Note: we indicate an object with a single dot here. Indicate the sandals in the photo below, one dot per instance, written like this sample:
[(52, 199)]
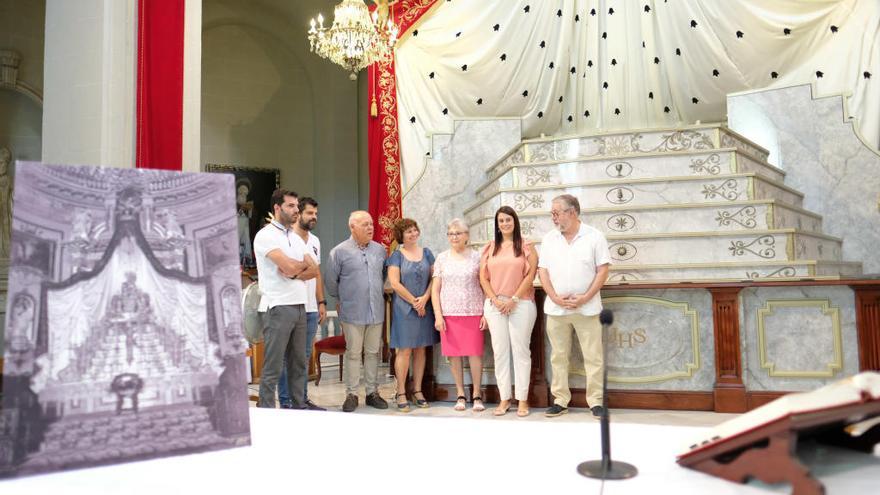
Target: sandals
[(460, 403), (402, 406), (478, 404), (501, 411), (522, 411), (423, 403)]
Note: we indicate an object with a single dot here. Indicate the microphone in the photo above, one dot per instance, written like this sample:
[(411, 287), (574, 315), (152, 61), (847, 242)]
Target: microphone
[(605, 469)]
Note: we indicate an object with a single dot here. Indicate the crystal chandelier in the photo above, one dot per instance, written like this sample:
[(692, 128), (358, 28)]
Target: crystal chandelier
[(355, 40)]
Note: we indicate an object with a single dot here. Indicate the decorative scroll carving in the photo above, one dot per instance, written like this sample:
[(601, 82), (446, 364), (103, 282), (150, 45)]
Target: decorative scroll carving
[(618, 145), (684, 140), (745, 217), (523, 202), (727, 190), (710, 165), (536, 176), (763, 246), (785, 271), (527, 228)]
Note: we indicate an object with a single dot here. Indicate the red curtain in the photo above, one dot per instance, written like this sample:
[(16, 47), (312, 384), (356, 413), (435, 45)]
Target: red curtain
[(160, 84), (382, 133)]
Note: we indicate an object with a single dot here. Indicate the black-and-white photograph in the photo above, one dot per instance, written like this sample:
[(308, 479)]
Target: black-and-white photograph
[(123, 325)]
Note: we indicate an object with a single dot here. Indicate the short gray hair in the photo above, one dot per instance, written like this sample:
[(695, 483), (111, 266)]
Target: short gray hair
[(355, 214), (569, 201), (461, 224)]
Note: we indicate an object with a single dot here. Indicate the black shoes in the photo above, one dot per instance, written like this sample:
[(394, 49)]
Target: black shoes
[(311, 406), (351, 403), (598, 411), (373, 400), (555, 410)]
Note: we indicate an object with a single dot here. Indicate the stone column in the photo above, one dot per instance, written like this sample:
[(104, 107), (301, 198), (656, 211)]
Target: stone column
[(90, 82)]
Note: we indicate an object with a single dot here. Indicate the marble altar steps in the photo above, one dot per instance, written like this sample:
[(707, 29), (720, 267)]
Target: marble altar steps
[(641, 192), (713, 247), (149, 358), (706, 163), (95, 438), (698, 138), (698, 203), (762, 214)]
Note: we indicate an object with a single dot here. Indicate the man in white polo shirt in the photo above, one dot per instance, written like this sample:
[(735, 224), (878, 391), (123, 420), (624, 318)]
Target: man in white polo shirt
[(573, 267), (283, 268)]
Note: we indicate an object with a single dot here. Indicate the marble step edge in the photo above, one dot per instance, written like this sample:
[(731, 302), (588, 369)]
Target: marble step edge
[(712, 233), (799, 270), (493, 173), (618, 266), (717, 139), (720, 126), (728, 233), (648, 180), (669, 206)]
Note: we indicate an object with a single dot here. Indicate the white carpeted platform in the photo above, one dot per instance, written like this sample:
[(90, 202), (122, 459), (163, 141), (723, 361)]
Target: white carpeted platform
[(331, 452)]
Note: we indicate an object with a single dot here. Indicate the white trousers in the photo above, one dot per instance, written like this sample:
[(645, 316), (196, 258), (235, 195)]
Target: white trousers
[(512, 332)]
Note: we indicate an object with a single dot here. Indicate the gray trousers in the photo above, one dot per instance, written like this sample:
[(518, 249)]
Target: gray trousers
[(366, 339), (284, 337)]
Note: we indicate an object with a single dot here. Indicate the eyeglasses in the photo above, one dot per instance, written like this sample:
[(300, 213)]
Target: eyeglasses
[(556, 213), (455, 234)]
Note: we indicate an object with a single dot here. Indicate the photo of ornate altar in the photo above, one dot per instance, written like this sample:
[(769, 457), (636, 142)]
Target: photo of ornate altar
[(123, 329)]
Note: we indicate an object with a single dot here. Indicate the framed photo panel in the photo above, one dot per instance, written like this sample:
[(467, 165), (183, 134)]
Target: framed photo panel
[(253, 191)]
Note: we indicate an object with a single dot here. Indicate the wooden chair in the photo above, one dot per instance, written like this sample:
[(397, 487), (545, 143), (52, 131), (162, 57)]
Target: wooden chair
[(333, 344)]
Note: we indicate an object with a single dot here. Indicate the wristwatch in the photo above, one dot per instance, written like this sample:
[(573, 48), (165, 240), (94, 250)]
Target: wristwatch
[(514, 299)]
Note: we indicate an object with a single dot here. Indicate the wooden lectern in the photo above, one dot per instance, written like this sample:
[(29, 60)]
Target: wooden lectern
[(762, 444)]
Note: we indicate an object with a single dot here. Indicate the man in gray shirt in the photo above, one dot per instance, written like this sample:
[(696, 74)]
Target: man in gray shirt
[(355, 276)]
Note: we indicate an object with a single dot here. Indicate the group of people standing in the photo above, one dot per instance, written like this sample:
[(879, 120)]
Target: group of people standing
[(451, 299)]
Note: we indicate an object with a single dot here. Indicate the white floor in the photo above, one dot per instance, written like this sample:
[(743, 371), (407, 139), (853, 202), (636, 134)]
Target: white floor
[(304, 451), (439, 450)]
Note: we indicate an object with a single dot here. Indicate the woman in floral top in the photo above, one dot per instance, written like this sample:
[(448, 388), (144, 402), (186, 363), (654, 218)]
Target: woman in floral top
[(458, 310)]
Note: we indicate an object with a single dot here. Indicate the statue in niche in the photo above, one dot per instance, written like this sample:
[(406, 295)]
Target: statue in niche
[(166, 225), (21, 318), (245, 209), (5, 201), (233, 328), (82, 225)]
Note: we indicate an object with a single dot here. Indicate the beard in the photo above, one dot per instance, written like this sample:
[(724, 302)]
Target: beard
[(307, 225)]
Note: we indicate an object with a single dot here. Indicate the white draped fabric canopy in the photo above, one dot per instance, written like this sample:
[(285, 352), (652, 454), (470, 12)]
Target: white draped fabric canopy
[(75, 312), (575, 66)]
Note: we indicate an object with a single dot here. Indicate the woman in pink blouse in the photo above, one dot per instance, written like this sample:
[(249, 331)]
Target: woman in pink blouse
[(507, 271), (458, 310)]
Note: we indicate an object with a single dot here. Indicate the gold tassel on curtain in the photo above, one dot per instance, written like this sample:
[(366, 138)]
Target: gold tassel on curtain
[(374, 110)]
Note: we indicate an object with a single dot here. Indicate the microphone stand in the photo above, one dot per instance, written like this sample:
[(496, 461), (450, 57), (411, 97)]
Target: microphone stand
[(605, 468)]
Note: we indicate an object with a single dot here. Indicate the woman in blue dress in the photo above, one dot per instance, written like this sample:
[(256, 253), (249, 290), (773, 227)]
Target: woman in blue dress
[(410, 270)]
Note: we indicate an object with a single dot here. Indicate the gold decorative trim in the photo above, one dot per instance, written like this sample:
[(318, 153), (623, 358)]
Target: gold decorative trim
[(771, 217), (688, 312), (789, 247), (836, 338)]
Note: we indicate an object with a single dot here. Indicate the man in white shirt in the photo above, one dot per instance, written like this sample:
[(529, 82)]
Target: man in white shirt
[(283, 268), (316, 306), (573, 267)]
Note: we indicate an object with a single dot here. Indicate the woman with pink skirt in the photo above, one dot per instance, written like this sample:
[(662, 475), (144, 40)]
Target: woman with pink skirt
[(458, 311)]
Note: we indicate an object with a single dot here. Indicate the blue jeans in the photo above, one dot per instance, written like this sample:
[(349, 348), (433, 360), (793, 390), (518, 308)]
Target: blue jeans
[(311, 330)]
